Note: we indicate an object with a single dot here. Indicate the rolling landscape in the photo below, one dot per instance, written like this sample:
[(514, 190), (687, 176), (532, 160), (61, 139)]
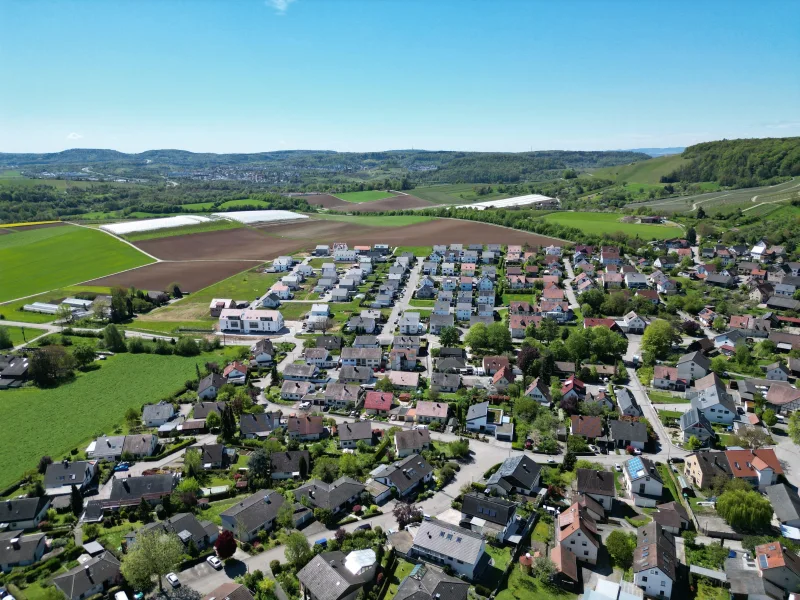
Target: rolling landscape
[(363, 300)]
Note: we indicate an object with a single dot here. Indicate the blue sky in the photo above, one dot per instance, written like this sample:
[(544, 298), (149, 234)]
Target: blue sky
[(250, 75)]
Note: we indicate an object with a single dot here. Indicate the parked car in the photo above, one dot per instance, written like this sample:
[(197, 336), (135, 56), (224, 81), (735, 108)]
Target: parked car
[(214, 562), (173, 580), (121, 467), (321, 542), (365, 526), (618, 468)]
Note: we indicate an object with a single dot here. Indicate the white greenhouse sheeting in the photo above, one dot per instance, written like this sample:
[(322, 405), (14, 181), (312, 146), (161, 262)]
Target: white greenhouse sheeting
[(260, 216), (151, 224), (507, 202)]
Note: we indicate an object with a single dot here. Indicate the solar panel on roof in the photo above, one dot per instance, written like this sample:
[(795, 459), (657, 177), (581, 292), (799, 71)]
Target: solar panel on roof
[(762, 561)]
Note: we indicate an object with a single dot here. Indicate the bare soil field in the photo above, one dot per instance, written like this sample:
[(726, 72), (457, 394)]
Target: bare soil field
[(325, 200), (393, 203), (191, 276), (232, 244), (439, 231)]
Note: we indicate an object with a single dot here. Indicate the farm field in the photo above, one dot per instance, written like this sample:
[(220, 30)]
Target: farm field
[(93, 403), (215, 225), (198, 206), (12, 311), (600, 223), (191, 276), (47, 258), (457, 193), (646, 171), (324, 200), (393, 221), (20, 335), (402, 202), (246, 202), (192, 311), (365, 196)]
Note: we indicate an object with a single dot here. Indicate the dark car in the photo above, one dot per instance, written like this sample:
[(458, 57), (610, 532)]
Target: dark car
[(365, 526)]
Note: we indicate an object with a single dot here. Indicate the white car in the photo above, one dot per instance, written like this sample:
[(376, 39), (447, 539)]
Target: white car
[(618, 468), (636, 451), (173, 580), (214, 562)]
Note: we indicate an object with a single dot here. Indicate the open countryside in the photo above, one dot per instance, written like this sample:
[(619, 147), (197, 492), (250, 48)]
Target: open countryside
[(610, 223), (48, 258)]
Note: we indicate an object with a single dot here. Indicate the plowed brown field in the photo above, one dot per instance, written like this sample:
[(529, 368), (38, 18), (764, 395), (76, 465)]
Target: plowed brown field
[(191, 276), (325, 200)]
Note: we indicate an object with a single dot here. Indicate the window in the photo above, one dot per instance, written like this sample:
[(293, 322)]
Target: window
[(572, 542), (586, 553), (644, 579), (663, 584)]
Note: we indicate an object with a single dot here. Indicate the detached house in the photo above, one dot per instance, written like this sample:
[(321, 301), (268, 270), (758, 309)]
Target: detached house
[(598, 485), (404, 476), (411, 441), (642, 481), (305, 428), (539, 392), (654, 561), (694, 365), (491, 516), (444, 544), (247, 518), (517, 475), (350, 434), (576, 531), (335, 496), (760, 467)]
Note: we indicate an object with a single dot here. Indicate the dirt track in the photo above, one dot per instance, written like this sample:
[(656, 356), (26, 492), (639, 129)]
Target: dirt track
[(29, 227), (191, 276), (325, 200)]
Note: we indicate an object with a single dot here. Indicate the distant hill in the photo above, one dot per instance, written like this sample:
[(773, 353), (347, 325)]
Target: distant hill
[(420, 165), (739, 163), (648, 171), (658, 151)]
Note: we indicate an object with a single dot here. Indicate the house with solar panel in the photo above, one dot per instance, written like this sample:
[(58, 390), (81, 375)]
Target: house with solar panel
[(642, 481), (448, 545)]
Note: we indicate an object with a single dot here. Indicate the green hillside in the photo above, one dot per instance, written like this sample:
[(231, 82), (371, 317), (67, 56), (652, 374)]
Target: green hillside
[(645, 172)]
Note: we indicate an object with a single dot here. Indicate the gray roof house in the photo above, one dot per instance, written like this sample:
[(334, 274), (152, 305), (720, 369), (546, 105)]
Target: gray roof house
[(209, 385), (627, 404), (492, 516), (185, 526), (333, 496), (155, 415), (406, 475), (202, 409), (785, 503), (518, 474), (428, 583), (92, 577), (287, 464), (449, 545), (130, 490), (334, 576), (61, 476), (412, 441), (352, 433), (17, 550), (253, 514), (445, 382), (627, 433)]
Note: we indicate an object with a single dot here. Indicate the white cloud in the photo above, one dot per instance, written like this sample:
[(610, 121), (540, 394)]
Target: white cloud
[(783, 125), (280, 6), (74, 136)]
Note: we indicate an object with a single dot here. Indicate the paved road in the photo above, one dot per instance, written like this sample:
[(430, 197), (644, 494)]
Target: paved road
[(573, 301), (401, 305)]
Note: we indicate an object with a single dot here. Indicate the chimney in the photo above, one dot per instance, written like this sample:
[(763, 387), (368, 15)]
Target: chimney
[(65, 462), (15, 543)]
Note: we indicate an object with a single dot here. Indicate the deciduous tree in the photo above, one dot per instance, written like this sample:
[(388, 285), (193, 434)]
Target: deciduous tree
[(154, 553), (225, 544)]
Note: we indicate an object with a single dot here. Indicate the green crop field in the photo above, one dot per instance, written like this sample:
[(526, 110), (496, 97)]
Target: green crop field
[(192, 311), (246, 202), (365, 196), (213, 225), (646, 171), (457, 193), (51, 422), (394, 221), (197, 206), (39, 260), (21, 335), (602, 223)]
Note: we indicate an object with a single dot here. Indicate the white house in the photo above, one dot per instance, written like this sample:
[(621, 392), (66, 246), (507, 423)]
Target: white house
[(694, 365), (344, 255), (577, 532), (250, 321), (155, 415), (409, 323), (642, 481)]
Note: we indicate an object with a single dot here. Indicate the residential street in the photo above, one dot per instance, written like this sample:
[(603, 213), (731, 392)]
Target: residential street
[(573, 300)]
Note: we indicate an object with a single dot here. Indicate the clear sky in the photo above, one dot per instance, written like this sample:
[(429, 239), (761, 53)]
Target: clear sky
[(355, 75)]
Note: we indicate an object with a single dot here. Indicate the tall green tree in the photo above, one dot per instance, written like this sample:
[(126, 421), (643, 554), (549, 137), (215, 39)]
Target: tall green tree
[(658, 339), (5, 339), (745, 510), (449, 336), (258, 465), (75, 501), (153, 554), (113, 339)]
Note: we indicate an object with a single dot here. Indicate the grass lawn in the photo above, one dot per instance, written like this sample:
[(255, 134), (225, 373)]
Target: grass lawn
[(112, 537), (365, 196), (17, 336), (292, 311), (401, 571), (214, 225), (603, 223), (670, 490), (39, 260), (726, 439), (507, 298), (707, 591), (245, 202), (521, 586), (542, 532), (422, 303), (417, 250), (215, 509), (53, 421), (500, 557), (666, 398), (13, 310), (367, 221), (192, 311)]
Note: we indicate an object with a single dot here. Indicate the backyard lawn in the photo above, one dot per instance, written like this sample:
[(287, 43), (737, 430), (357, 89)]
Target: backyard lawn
[(20, 335), (521, 586), (38, 260), (93, 403), (666, 398), (112, 537), (212, 513), (402, 570)]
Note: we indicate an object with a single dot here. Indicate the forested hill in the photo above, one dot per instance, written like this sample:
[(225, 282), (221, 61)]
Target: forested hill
[(740, 163), (421, 165)]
